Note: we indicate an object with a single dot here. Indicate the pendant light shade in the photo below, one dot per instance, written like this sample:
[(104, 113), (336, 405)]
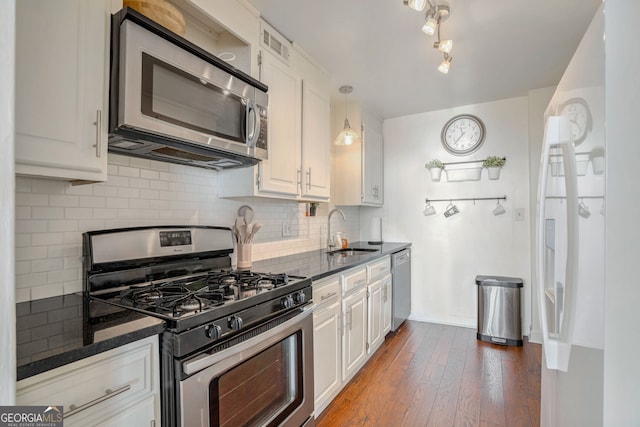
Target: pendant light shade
[(347, 136)]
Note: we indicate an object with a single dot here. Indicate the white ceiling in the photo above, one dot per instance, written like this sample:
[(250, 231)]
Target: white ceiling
[(502, 48)]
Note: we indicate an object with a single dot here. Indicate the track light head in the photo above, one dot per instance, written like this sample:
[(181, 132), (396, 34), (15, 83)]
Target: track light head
[(417, 5), (445, 64), (444, 45)]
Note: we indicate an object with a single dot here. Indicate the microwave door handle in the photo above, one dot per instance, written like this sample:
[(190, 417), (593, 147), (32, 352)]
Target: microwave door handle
[(252, 121)]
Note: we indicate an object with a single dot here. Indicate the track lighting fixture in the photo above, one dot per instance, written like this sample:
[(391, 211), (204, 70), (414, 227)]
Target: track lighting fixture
[(347, 136), (434, 17)]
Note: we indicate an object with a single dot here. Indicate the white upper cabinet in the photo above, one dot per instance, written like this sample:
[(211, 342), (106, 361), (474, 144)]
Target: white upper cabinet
[(298, 167), (62, 60), (316, 159), (372, 174), (280, 173), (357, 171), (227, 29)]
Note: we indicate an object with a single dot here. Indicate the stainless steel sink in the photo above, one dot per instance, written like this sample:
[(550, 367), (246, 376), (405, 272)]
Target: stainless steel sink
[(351, 251)]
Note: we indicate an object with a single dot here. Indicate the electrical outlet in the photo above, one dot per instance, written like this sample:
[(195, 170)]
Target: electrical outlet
[(286, 229), (519, 214)]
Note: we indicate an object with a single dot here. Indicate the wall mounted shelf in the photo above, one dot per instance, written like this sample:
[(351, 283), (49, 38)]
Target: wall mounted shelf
[(459, 173)]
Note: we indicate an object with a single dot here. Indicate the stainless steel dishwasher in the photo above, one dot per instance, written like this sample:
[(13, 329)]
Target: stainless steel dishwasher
[(401, 276)]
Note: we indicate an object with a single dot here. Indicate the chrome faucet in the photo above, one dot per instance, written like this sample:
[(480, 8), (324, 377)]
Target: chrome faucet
[(330, 243)]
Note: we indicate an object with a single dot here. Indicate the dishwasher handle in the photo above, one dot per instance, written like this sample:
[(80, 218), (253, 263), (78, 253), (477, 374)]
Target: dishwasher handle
[(401, 257)]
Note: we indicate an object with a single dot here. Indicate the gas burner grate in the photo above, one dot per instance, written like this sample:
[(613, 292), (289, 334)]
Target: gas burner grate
[(175, 298)]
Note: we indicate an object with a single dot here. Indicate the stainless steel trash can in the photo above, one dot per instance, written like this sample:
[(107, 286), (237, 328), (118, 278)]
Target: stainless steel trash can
[(499, 319)]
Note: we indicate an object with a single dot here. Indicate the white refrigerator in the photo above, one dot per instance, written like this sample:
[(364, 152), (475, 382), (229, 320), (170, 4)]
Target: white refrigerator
[(570, 240)]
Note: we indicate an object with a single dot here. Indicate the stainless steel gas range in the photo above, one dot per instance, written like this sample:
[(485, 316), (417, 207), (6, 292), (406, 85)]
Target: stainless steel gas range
[(238, 346)]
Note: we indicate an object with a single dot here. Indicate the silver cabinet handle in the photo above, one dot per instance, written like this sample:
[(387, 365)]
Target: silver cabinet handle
[(309, 179), (324, 297), (299, 178), (73, 409), (98, 124)]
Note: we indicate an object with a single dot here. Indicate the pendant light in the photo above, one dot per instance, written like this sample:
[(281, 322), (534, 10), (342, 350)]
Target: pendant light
[(347, 136)]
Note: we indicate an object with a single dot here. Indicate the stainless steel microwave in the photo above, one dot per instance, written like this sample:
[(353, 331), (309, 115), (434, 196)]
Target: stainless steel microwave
[(172, 101)]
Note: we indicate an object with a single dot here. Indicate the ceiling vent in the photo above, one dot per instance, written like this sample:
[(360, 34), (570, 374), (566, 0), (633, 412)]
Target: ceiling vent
[(274, 42)]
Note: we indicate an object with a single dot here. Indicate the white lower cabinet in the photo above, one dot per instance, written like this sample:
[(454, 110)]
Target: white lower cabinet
[(354, 343), (327, 342), (386, 304), (350, 323), (374, 322), (118, 387)]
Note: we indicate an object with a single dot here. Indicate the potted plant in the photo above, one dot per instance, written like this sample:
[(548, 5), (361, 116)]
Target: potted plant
[(435, 167), (597, 160), (493, 164)]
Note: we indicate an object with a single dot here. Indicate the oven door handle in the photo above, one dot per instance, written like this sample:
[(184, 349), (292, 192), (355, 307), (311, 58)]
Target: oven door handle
[(240, 351)]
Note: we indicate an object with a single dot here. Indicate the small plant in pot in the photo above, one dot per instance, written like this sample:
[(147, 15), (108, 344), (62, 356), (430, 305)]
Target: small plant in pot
[(435, 167), (493, 164)]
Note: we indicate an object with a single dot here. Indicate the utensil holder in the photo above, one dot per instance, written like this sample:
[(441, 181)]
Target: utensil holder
[(243, 255)]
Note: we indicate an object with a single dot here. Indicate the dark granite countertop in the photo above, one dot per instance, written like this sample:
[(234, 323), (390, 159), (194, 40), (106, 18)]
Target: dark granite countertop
[(318, 264), (55, 331)]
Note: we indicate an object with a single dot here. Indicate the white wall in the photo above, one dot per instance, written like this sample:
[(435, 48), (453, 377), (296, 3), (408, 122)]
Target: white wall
[(622, 298), (52, 215), (7, 293), (448, 253)]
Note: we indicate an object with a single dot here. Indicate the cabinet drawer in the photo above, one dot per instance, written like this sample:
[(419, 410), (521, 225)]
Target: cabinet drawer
[(325, 290), (353, 279), (110, 381), (378, 268)]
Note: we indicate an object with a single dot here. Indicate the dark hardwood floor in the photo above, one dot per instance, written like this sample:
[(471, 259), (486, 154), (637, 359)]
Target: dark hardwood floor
[(435, 375)]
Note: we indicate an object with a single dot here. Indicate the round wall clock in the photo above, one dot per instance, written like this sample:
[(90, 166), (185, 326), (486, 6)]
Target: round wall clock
[(463, 134), (577, 110)]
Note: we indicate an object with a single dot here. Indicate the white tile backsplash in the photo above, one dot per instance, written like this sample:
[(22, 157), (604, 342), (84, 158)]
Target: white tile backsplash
[(52, 215)]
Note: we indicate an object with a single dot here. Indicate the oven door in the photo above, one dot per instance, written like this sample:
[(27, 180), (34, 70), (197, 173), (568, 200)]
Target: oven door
[(166, 90), (266, 380)]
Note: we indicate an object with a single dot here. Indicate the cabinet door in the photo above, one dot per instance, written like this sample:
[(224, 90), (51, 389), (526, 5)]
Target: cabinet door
[(374, 307), (354, 343), (62, 55), (387, 299), (315, 142), (373, 167), (281, 173), (327, 352), (124, 380), (140, 414)]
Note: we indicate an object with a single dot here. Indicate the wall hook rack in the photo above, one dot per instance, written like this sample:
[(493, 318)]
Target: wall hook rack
[(465, 199)]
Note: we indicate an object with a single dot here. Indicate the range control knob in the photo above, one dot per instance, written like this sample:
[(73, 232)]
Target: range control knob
[(287, 302), (235, 323), (213, 331), (299, 297)]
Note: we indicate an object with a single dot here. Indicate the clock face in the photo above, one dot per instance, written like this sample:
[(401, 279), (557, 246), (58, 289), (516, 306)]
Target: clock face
[(463, 134), (579, 115)]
